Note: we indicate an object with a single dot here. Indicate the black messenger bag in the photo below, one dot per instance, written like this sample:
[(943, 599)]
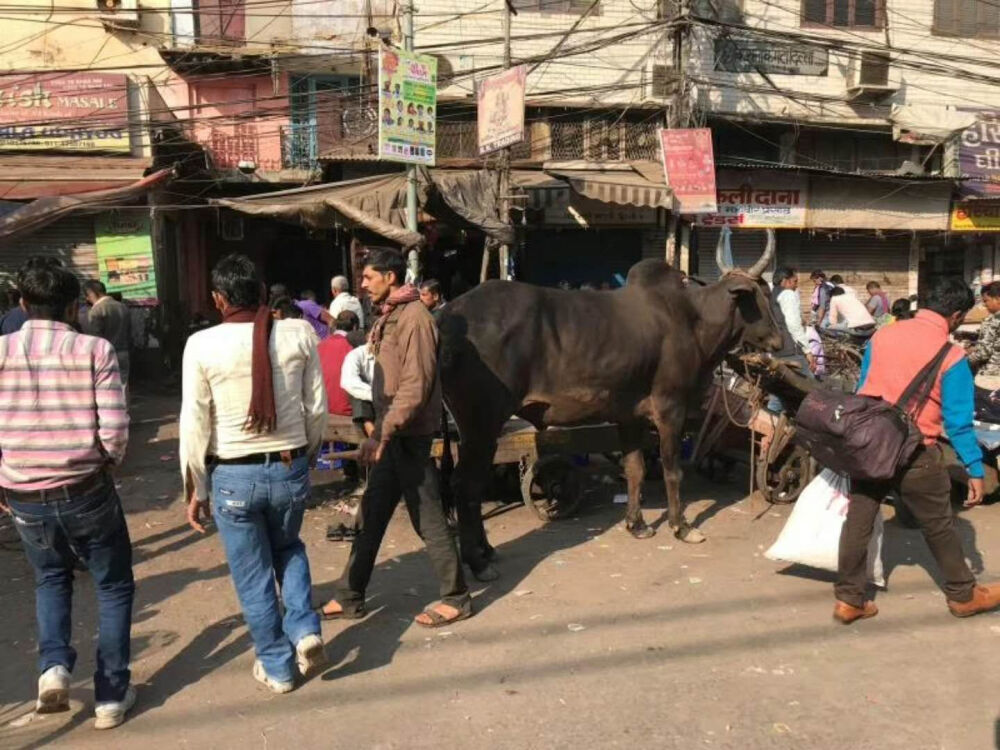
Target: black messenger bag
[(862, 436)]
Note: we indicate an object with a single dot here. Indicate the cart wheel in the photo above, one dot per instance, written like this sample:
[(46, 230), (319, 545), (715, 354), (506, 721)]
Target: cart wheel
[(782, 482), (551, 487)]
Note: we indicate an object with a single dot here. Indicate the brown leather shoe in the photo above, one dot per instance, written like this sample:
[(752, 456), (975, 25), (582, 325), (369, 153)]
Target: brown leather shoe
[(846, 613), (984, 598)]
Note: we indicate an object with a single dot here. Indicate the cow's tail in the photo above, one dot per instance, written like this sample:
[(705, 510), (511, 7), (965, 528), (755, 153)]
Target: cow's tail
[(447, 465)]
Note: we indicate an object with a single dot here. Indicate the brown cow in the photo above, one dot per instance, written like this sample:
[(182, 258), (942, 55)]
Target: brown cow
[(632, 356)]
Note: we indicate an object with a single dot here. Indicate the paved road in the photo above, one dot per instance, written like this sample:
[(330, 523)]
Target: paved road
[(590, 639)]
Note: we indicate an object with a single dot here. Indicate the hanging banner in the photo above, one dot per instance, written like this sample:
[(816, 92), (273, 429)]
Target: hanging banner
[(976, 216), (66, 112), (125, 254), (689, 166), (500, 110), (407, 107), (979, 160), (763, 202)]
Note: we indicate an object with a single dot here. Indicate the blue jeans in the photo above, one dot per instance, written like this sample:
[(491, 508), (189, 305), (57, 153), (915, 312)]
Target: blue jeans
[(258, 509), (91, 527)]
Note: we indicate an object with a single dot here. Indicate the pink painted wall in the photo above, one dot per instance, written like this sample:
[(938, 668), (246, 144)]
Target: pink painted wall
[(234, 117)]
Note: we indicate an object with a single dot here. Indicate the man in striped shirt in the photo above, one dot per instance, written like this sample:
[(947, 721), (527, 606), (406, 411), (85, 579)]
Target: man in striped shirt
[(63, 425)]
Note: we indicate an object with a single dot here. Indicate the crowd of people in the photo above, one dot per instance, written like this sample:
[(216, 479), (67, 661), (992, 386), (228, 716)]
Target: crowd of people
[(258, 391)]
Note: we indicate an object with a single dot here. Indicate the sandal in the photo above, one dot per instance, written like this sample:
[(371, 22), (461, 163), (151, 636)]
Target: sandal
[(437, 620), (343, 614)]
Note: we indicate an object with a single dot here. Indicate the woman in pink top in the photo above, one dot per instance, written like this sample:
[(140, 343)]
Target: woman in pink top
[(847, 311)]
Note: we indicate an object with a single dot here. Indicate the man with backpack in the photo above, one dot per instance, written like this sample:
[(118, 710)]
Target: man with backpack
[(895, 358)]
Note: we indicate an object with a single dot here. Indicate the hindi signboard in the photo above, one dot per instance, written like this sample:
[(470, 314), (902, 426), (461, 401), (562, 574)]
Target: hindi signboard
[(125, 254), (778, 202), (64, 112), (689, 166), (979, 159), (500, 110), (745, 56), (407, 106), (975, 216)]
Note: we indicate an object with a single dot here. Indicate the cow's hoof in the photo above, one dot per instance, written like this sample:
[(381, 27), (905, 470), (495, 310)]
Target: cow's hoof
[(486, 574), (641, 530), (689, 535)]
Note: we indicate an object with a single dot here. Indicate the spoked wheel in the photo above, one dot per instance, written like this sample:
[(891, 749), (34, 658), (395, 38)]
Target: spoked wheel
[(551, 487), (782, 481)]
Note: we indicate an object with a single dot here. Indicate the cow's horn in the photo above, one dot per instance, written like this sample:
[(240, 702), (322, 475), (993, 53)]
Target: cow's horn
[(765, 260), (720, 252)]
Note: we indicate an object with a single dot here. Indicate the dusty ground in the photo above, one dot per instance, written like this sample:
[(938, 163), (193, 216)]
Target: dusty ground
[(590, 639)]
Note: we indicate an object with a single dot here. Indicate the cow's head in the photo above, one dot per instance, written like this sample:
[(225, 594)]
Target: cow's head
[(755, 324)]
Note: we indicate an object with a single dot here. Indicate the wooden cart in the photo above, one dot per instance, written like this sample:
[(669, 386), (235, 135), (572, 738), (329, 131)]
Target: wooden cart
[(550, 479)]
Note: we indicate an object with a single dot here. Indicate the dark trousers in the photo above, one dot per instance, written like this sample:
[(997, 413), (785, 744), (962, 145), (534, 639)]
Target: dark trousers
[(925, 487), (406, 471), (91, 527)]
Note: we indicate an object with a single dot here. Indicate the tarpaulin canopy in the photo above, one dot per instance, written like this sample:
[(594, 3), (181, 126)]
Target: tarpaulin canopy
[(39, 213), (463, 197)]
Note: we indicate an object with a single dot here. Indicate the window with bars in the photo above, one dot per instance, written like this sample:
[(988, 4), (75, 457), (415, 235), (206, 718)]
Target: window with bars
[(967, 18), (868, 14), (555, 6)]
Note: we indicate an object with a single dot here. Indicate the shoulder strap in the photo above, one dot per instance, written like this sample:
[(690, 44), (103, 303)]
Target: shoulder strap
[(919, 389)]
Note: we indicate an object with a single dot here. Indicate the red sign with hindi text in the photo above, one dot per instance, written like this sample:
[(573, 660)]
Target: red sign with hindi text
[(689, 166)]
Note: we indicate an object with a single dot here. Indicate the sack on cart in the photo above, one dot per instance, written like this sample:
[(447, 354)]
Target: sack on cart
[(811, 535)]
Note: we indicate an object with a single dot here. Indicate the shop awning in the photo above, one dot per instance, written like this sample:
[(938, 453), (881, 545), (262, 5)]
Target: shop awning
[(30, 176), (887, 204), (37, 214), (631, 185), (461, 197)]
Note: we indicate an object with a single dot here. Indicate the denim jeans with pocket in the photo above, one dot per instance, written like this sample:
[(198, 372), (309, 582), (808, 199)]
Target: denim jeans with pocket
[(258, 510), (89, 526)]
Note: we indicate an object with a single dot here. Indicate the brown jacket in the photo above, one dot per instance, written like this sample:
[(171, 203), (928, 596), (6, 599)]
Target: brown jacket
[(405, 388)]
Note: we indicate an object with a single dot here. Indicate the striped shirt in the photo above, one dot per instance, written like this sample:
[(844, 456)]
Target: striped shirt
[(62, 408)]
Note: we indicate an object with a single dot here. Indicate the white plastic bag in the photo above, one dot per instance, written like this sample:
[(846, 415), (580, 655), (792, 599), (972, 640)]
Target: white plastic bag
[(812, 533)]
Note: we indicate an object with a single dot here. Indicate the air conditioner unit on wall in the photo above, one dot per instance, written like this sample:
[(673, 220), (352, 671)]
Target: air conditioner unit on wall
[(119, 12), (871, 76)]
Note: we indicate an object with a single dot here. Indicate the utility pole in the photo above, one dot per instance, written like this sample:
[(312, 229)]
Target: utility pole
[(504, 186), (411, 169), (678, 231)]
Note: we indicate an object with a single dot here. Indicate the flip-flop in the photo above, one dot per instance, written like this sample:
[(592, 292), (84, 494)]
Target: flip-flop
[(439, 621)]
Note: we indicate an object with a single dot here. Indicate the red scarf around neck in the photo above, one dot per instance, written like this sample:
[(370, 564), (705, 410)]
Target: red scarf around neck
[(262, 415), (405, 294)]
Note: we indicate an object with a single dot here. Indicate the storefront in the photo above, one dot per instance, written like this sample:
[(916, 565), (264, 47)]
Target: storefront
[(862, 228), (590, 226)]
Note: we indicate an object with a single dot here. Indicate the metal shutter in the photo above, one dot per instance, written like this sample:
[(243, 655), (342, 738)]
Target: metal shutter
[(747, 245), (859, 259), (71, 240)]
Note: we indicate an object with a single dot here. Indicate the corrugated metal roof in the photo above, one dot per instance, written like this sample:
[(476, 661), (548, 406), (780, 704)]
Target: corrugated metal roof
[(24, 176), (743, 164)]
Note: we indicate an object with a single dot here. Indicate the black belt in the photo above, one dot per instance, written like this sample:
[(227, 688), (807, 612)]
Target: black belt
[(59, 494), (264, 458)]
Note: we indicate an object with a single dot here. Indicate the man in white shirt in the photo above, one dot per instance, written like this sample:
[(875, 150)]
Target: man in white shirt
[(252, 419), (344, 300), (790, 302), (847, 312)]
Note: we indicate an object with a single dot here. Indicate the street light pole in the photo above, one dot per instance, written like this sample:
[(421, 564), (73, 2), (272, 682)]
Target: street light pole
[(411, 169)]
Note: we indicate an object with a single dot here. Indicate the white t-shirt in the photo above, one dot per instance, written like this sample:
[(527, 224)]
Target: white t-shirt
[(847, 307), (347, 301)]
